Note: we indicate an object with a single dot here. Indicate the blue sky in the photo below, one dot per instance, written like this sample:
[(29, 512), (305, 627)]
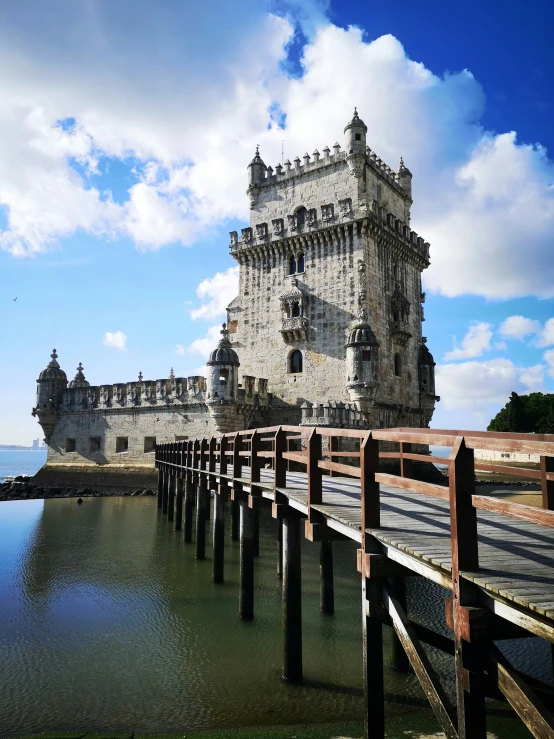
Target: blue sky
[(126, 128)]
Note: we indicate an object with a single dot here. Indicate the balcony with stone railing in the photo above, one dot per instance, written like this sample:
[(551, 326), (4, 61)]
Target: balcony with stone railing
[(294, 329), (400, 332)]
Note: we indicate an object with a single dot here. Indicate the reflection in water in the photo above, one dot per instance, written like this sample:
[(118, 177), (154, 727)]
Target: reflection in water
[(107, 622)]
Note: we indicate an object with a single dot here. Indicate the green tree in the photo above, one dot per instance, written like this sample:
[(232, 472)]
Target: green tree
[(533, 413)]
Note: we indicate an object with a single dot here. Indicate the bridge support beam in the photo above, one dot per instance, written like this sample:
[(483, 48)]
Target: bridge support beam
[(208, 503), (399, 658), (292, 598), (165, 492), (326, 588), (189, 503), (201, 493), (373, 678), (280, 548), (219, 534), (246, 594), (256, 531), (171, 498), (179, 503), (235, 525), (160, 488)]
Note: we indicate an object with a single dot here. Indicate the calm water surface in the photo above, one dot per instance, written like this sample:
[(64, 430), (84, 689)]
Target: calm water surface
[(107, 622)]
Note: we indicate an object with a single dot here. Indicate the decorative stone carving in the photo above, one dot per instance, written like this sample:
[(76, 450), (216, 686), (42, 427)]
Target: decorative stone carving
[(327, 212), (345, 207), (293, 222), (234, 239), (400, 311), (278, 226), (246, 235), (261, 230), (312, 217)]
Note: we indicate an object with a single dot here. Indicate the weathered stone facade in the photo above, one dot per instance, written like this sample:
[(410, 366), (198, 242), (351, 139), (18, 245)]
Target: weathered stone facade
[(326, 328)]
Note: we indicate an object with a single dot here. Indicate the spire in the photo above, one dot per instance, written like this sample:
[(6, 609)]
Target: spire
[(79, 379), (140, 376), (53, 362), (171, 374)]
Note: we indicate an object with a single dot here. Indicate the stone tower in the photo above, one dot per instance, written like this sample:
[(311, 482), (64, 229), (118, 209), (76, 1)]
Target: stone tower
[(51, 383), (330, 303)]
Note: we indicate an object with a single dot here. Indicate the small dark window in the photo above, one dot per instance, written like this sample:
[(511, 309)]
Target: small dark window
[(149, 444), (121, 444), (358, 137), (300, 264), (397, 365), (366, 355), (295, 366), (223, 376), (70, 445), (295, 310), (95, 444), (292, 265), (301, 217)]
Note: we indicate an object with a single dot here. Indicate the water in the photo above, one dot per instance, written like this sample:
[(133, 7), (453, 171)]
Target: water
[(25, 462), (108, 623)]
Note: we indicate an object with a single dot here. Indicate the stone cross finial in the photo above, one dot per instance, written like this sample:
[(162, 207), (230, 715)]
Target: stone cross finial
[(140, 376), (355, 112), (171, 374), (80, 368), (54, 355)]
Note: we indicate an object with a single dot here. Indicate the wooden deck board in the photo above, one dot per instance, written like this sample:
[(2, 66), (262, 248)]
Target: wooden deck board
[(515, 557)]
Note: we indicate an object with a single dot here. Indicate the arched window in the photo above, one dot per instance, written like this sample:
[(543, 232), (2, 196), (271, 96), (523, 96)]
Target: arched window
[(295, 310), (397, 365), (295, 362), (301, 217), (300, 262), (292, 265)]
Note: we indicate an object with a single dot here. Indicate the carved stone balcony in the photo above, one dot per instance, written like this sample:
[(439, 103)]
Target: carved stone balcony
[(294, 329), (400, 332)]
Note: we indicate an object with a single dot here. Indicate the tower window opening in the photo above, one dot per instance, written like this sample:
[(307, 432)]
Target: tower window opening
[(292, 265), (358, 137), (223, 376), (149, 444), (366, 355), (295, 310), (121, 444), (295, 362), (397, 365), (301, 217), (300, 263), (70, 445)]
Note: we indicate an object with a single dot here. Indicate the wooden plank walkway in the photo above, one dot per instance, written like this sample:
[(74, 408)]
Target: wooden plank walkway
[(515, 557)]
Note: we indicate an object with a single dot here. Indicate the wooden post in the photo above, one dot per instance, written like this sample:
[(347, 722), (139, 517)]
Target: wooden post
[(280, 548), (326, 589), (547, 465), (256, 531), (179, 503), (219, 534), (333, 447), (171, 496), (399, 658), (204, 465), (372, 629), (292, 599), (279, 464), (160, 487), (201, 519), (405, 464), (246, 591), (315, 475), (165, 493), (237, 471), (235, 520), (469, 657)]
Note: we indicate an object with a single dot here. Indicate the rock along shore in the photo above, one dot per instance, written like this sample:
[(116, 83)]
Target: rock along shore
[(23, 488)]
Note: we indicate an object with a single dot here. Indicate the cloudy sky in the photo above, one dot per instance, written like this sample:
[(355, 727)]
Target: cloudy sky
[(126, 128)]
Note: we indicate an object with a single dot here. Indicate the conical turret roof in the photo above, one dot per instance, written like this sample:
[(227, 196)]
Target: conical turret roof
[(361, 333), (79, 379), (224, 354), (53, 371), (355, 122)]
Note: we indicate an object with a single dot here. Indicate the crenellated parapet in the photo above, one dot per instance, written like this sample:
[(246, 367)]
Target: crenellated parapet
[(337, 415)]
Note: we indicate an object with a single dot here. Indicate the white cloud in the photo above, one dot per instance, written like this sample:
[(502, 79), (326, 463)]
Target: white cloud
[(479, 198), (117, 340), (549, 359), (475, 342), (546, 337), (517, 327), (207, 343), (218, 291), (500, 345), (179, 349), (476, 391)]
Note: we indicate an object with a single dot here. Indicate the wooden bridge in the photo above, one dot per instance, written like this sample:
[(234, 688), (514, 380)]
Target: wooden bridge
[(495, 556)]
